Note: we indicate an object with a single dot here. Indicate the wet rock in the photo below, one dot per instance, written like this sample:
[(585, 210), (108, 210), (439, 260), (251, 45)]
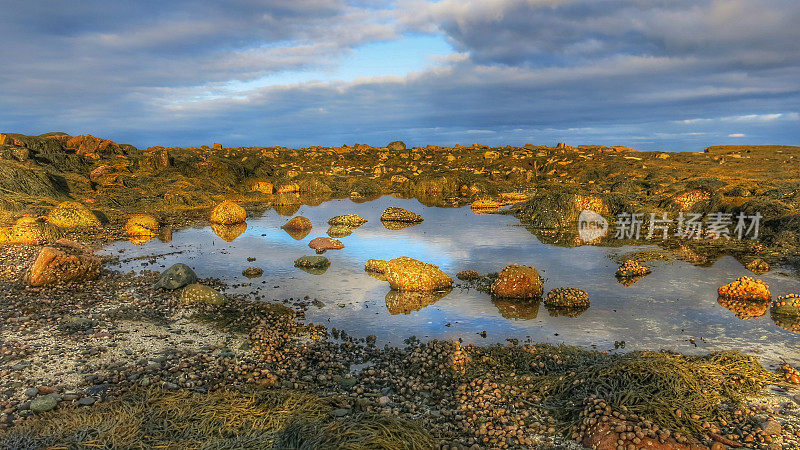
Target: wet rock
[(264, 187), (176, 277), (408, 274), (64, 262), (253, 272), (468, 275), (517, 281), (787, 305), (316, 262), (31, 231), (298, 223), (72, 214), (349, 220), (484, 205), (397, 214), (566, 297), (229, 233), (376, 266), (325, 243), (228, 213), (31, 392), (339, 231), (632, 269), (758, 266), (746, 289), (142, 225), (198, 293)]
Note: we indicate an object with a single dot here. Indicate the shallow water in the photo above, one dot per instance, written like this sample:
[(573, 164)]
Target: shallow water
[(665, 310)]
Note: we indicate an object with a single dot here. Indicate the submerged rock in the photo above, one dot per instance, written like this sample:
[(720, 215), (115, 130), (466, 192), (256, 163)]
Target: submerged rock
[(349, 220), (316, 262), (746, 289), (63, 262), (176, 277), (408, 274), (228, 213), (468, 275), (298, 223), (253, 272), (198, 293), (142, 225), (517, 281), (72, 214), (397, 214)]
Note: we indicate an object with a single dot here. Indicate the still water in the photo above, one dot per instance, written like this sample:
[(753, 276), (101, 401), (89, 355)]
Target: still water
[(673, 308)]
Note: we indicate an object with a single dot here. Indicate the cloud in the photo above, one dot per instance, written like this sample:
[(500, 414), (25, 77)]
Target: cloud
[(661, 74)]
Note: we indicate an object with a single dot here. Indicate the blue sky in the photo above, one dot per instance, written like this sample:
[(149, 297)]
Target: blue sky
[(653, 75)]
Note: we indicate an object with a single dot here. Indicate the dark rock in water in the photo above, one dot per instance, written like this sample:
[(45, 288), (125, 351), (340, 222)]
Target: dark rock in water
[(516, 281), (253, 272), (565, 297), (339, 231), (316, 262), (396, 146), (176, 277), (349, 220), (468, 275), (198, 293), (397, 214)]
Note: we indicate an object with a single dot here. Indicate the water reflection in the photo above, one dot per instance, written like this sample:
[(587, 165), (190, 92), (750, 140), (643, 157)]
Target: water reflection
[(404, 302), (517, 309), (744, 309), (229, 232)]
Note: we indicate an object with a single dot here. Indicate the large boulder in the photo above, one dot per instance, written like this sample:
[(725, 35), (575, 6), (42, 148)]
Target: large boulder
[(31, 231), (142, 225), (176, 277), (63, 262), (397, 214), (408, 274), (298, 223), (72, 214), (198, 293), (228, 213), (516, 281)]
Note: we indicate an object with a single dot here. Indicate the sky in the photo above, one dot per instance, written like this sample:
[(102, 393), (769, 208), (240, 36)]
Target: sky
[(673, 75)]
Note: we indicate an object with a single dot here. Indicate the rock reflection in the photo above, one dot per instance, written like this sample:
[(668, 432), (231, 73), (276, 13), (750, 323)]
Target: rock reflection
[(744, 309), (404, 302), (229, 232), (396, 225), (556, 311), (297, 234), (517, 309)]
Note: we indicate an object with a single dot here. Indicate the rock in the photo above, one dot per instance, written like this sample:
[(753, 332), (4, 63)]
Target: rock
[(787, 305), (516, 281), (298, 223), (325, 243), (264, 187), (484, 205), (31, 392), (631, 269), (468, 275), (746, 289), (198, 293), (229, 232), (45, 402), (217, 146), (142, 225), (349, 220), (288, 188), (396, 146), (64, 262), (339, 231), (491, 155), (228, 213), (771, 427), (397, 214), (376, 266), (87, 401), (341, 412), (32, 231), (253, 272), (565, 297), (758, 266), (317, 262), (100, 171), (72, 214), (688, 199), (408, 274), (176, 277)]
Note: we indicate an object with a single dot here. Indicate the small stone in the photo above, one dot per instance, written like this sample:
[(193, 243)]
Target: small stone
[(771, 427), (31, 392), (383, 400), (87, 401), (45, 403), (341, 412)]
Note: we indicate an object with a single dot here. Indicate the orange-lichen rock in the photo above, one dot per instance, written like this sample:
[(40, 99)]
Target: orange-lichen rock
[(228, 213), (517, 281), (746, 288), (376, 266), (142, 225), (63, 262), (408, 274), (592, 203), (631, 269), (298, 223), (288, 188), (325, 243)]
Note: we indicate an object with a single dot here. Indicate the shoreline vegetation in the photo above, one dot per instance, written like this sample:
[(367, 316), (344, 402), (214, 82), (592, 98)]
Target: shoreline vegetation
[(94, 358)]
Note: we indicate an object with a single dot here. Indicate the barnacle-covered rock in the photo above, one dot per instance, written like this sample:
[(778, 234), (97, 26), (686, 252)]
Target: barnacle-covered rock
[(348, 220), (339, 231), (746, 289), (758, 266), (314, 261), (468, 275), (787, 305), (198, 293), (72, 214), (397, 214), (63, 262), (228, 213), (631, 268), (517, 281), (31, 231), (566, 297), (408, 274), (376, 266), (253, 272)]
